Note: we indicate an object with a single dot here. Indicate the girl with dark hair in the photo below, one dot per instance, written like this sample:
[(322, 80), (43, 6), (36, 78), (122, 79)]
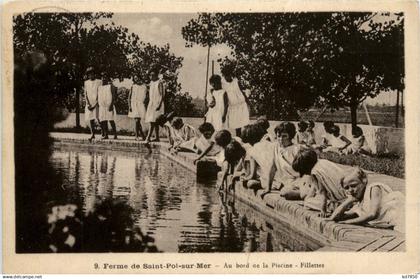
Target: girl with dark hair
[(136, 106), (217, 102), (106, 96), (238, 112), (284, 153), (260, 157), (155, 108), (233, 164), (319, 181)]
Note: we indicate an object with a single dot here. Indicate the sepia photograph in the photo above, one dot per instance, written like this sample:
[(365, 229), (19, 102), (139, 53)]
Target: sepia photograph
[(209, 132)]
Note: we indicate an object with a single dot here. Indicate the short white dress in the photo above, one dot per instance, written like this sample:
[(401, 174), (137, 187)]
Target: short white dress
[(214, 115), (263, 154), (138, 95), (155, 98), (238, 112), (91, 93), (391, 208), (104, 101)]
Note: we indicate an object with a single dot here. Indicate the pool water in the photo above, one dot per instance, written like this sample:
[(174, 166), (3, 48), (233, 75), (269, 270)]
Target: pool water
[(181, 214)]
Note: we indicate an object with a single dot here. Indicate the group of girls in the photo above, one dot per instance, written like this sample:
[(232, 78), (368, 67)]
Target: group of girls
[(340, 193), (100, 103)]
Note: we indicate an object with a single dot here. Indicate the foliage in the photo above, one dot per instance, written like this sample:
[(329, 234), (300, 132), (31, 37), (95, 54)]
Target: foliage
[(107, 47), (292, 61), (388, 164), (110, 228)]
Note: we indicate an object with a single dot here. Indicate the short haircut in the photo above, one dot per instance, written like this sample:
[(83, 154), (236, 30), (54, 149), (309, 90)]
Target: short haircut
[(223, 138), (356, 131), (305, 160), (335, 129), (286, 127), (328, 124), (234, 152), (263, 122), (177, 123), (228, 69), (303, 125), (252, 133), (215, 79), (361, 174), (206, 127), (311, 123)]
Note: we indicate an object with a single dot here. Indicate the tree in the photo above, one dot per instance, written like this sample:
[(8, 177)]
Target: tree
[(106, 46), (293, 61)]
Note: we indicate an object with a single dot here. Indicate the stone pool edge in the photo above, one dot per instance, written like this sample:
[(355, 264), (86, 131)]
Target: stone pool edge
[(330, 235)]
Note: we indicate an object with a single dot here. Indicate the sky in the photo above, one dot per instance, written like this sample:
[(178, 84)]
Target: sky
[(160, 29)]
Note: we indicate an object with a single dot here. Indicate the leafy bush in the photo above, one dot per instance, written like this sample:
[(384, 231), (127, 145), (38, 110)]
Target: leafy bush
[(389, 164)]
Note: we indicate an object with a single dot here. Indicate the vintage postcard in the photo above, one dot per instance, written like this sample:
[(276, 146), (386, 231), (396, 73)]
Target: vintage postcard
[(210, 137)]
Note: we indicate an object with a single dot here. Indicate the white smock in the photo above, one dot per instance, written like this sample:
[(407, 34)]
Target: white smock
[(138, 95), (91, 93), (105, 101), (155, 98), (238, 112)]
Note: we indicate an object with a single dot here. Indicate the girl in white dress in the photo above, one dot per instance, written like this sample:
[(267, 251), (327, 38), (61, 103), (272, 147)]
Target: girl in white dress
[(260, 156), (91, 94), (155, 108), (182, 134), (338, 142), (375, 204), (106, 96), (238, 112), (319, 184), (218, 104), (284, 154), (137, 109)]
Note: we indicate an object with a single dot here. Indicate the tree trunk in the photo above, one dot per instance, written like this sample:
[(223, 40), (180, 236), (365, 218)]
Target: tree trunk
[(353, 115), (77, 108)]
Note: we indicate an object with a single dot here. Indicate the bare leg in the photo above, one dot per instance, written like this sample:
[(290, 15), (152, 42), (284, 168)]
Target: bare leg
[(114, 128), (92, 129), (137, 122), (157, 132), (141, 130), (149, 133), (104, 125)]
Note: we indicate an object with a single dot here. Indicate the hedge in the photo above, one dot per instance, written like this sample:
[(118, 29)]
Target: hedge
[(389, 164)]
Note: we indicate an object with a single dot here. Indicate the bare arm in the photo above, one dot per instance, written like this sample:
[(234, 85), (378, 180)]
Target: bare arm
[(114, 95), (162, 94), (129, 98), (338, 212), (373, 210), (204, 153), (225, 173), (225, 106), (346, 140), (252, 169)]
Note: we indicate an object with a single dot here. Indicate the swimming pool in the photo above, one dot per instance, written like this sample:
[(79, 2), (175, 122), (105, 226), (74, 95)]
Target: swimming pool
[(168, 203)]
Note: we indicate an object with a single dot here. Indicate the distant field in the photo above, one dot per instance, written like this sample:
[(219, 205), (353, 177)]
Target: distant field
[(378, 118)]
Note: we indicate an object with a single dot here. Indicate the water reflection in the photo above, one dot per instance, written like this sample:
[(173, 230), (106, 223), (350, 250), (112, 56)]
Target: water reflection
[(168, 204)]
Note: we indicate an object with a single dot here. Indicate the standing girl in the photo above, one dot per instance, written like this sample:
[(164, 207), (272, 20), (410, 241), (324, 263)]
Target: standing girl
[(217, 103), (106, 95), (155, 107), (238, 112), (137, 109), (91, 94)]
